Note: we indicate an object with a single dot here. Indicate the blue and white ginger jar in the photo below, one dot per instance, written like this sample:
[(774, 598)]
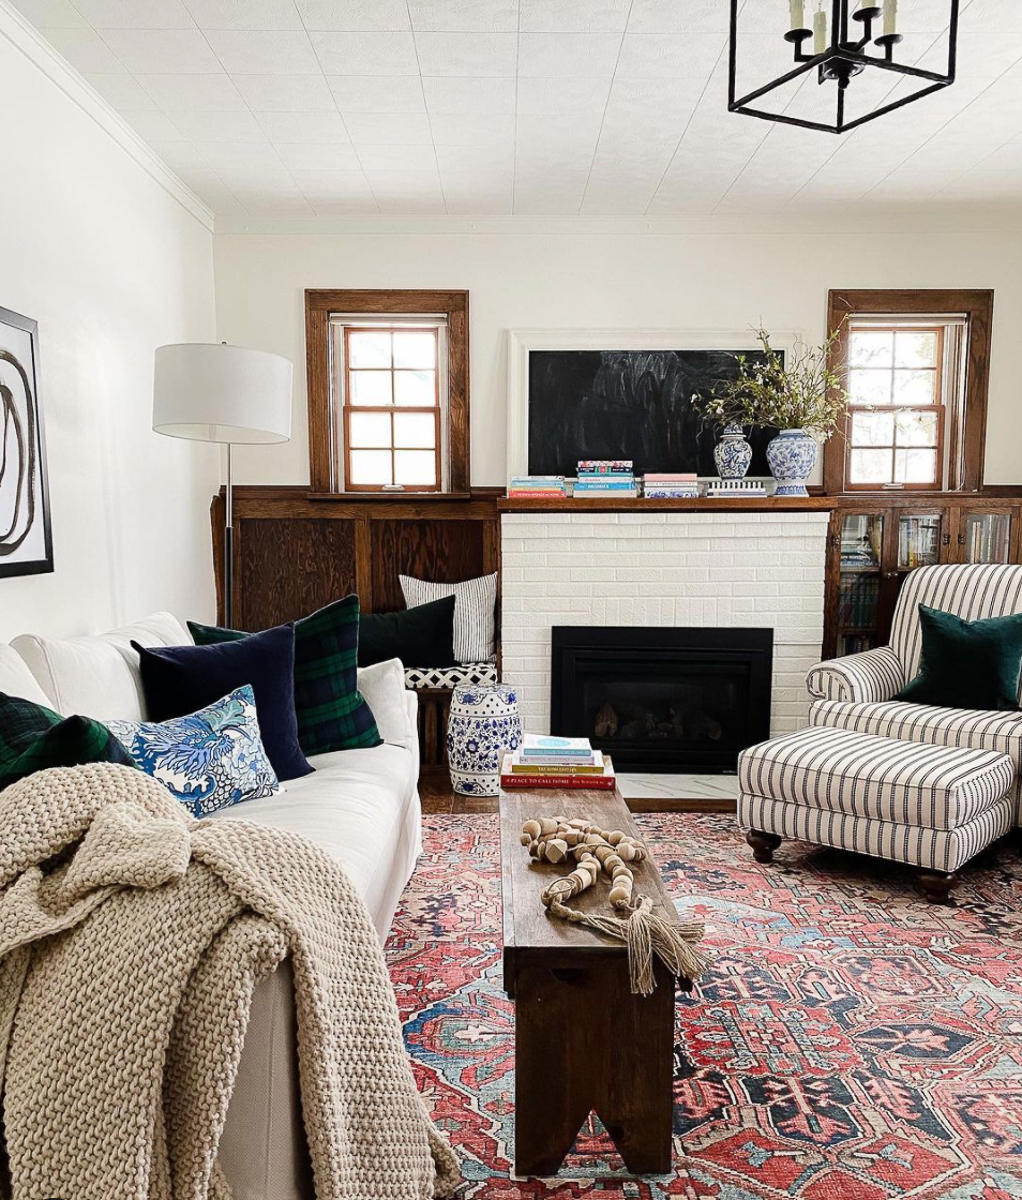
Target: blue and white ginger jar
[(791, 456), (484, 723), (732, 453)]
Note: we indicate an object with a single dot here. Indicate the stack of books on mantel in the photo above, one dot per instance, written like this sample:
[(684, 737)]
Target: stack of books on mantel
[(605, 479), (537, 487), (556, 762), (684, 486), (735, 489)]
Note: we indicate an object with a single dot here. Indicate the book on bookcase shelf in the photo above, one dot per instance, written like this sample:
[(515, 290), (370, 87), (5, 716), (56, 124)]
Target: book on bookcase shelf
[(549, 779)]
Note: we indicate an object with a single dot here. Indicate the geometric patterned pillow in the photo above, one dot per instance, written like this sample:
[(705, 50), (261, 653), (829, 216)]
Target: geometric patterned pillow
[(209, 760), (33, 738)]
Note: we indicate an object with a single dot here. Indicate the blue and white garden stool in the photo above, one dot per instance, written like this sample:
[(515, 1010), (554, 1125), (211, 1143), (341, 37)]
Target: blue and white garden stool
[(484, 723)]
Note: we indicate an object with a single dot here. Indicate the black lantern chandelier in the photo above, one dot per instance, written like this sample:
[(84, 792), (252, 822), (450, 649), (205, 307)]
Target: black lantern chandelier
[(847, 37)]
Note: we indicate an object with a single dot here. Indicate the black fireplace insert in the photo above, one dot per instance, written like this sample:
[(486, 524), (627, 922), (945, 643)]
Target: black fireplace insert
[(663, 700)]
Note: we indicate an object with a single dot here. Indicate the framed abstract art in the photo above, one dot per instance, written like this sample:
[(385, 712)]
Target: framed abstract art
[(26, 545)]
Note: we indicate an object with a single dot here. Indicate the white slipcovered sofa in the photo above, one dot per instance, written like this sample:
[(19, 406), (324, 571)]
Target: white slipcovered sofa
[(361, 806)]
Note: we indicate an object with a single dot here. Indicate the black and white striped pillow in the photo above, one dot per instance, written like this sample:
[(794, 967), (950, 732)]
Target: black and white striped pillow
[(474, 603)]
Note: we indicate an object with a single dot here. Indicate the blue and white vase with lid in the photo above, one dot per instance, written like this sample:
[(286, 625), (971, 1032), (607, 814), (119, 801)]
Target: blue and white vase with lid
[(484, 723), (732, 454), (791, 456)]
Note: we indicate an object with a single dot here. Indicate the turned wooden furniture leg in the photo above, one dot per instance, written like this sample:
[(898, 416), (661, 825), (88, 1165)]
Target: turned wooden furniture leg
[(937, 885), (763, 845), (584, 1043)]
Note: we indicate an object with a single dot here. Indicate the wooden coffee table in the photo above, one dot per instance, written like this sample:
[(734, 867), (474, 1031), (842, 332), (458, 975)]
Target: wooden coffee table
[(583, 1042)]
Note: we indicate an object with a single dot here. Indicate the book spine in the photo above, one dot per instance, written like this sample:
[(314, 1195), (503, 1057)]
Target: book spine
[(592, 782)]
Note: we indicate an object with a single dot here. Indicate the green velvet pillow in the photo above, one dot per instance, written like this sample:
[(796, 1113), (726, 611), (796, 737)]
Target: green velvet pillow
[(967, 664), (33, 738)]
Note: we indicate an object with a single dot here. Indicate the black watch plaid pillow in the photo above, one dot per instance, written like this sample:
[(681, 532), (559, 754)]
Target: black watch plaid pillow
[(332, 714)]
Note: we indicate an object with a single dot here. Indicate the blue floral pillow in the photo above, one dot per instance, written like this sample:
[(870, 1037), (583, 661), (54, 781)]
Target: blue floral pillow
[(209, 760)]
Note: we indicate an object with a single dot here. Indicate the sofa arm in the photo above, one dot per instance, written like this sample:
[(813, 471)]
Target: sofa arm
[(383, 688), (871, 677)]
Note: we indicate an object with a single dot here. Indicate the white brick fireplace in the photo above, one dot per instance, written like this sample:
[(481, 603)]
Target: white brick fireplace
[(662, 568)]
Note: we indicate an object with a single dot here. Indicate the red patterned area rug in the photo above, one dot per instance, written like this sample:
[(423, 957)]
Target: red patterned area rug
[(850, 1042)]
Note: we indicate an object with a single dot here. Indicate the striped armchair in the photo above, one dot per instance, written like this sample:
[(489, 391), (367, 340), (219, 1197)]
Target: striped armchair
[(856, 692)]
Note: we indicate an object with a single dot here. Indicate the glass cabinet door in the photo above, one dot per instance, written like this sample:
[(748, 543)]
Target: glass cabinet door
[(984, 537), (920, 539), (861, 555)]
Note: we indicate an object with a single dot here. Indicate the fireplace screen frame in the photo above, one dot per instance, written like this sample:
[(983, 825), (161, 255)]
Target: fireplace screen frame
[(573, 645)]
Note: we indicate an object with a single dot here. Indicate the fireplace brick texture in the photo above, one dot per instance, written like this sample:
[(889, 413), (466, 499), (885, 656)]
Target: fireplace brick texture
[(764, 570)]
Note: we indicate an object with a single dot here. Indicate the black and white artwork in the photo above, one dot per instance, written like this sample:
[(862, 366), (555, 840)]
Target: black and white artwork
[(26, 546), (633, 404)]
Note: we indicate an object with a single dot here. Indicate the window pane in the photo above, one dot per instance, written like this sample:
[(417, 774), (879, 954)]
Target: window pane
[(873, 429), (370, 387), (415, 431), (914, 387), (416, 467), (870, 466), (917, 428), (418, 350), (915, 466), (369, 349), (914, 349), (415, 387), (369, 429), (370, 467), (869, 387), (870, 348)]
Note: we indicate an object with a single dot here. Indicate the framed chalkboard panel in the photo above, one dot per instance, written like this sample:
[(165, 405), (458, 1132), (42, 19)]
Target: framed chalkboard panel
[(613, 399)]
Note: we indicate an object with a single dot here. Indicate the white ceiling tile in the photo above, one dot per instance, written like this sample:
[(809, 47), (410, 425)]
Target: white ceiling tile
[(1006, 158), (668, 16), (151, 124), (1005, 16), (389, 129), (292, 206), (464, 16), (471, 129), (351, 206), (414, 182), (981, 185), (405, 204), (308, 156), (135, 14), (285, 93), (244, 14), (209, 187), (263, 52), (354, 15), (198, 93), (366, 53), (567, 131), (180, 156), (122, 91), (249, 156), (318, 184), (670, 56), (467, 196), (566, 54), (377, 93), (51, 14), (219, 126), (303, 127), (393, 159), (454, 94), (259, 184), (483, 161), (580, 96), (574, 16), (548, 199), (159, 51), (487, 54), (85, 50)]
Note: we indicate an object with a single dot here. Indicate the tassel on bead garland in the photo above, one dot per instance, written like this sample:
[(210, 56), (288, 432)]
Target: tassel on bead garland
[(644, 931)]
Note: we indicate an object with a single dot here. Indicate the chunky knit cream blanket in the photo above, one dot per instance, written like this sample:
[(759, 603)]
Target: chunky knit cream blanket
[(131, 939)]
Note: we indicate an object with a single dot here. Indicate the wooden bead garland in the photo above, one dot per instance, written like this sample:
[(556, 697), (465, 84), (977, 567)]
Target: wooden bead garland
[(596, 851)]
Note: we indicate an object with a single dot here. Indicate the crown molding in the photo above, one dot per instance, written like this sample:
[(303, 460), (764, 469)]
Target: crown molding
[(30, 42)]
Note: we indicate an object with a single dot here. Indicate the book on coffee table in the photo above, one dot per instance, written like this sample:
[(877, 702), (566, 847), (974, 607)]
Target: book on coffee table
[(603, 780)]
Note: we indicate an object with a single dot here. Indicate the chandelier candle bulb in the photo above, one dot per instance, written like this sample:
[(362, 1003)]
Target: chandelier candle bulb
[(820, 31), (890, 16), (797, 10)]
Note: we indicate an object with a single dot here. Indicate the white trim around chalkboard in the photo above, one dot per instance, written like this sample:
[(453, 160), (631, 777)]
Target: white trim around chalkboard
[(521, 342)]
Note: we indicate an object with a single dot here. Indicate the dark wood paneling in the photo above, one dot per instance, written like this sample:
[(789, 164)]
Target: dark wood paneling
[(443, 551), (288, 568)]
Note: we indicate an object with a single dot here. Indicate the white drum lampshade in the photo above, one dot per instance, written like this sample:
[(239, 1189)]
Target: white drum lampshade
[(216, 393)]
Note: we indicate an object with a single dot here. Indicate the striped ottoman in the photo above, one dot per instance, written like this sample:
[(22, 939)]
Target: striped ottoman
[(931, 806)]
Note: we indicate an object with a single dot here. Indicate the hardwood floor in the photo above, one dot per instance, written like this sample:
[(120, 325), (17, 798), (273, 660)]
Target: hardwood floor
[(438, 797)]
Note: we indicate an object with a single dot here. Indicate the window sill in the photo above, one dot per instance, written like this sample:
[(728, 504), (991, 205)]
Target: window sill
[(389, 497)]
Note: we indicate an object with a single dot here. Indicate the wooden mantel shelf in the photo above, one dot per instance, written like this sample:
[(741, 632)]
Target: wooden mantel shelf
[(704, 504)]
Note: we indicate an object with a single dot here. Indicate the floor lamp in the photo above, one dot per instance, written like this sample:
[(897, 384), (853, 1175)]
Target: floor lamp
[(218, 393)]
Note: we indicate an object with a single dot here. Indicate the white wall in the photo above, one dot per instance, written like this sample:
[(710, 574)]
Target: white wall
[(578, 277), (111, 263)]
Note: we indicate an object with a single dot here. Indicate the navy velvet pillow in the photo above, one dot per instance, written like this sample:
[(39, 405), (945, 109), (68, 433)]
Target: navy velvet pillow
[(178, 680)]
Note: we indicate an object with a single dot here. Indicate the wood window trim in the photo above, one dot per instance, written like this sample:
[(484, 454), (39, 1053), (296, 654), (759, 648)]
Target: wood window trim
[(320, 304), (970, 434)]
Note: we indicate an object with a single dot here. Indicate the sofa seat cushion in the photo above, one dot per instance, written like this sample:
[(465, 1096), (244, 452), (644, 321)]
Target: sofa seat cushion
[(353, 806), (426, 678), (910, 783)]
